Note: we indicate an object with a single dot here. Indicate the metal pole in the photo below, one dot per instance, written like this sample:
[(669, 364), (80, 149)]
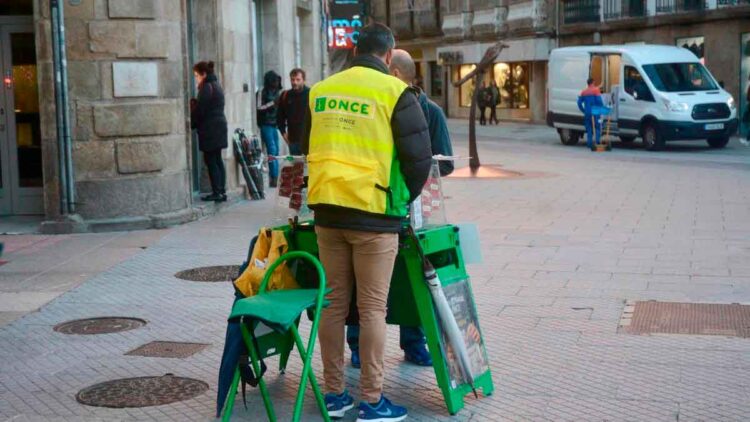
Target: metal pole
[(66, 111), (62, 172)]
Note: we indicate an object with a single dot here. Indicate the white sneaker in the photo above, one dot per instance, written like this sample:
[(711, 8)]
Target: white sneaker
[(745, 142)]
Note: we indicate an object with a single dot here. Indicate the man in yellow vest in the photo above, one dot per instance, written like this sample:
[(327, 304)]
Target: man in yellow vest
[(368, 153)]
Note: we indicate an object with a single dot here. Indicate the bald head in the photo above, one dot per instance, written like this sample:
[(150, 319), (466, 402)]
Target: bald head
[(402, 66)]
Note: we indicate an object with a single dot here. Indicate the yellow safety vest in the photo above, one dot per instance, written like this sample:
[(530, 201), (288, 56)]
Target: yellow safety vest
[(352, 159)]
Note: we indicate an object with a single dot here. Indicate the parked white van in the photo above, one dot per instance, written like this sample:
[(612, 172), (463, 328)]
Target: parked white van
[(657, 92)]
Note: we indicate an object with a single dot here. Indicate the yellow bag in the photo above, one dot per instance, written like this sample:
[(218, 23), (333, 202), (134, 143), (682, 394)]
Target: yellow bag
[(268, 248)]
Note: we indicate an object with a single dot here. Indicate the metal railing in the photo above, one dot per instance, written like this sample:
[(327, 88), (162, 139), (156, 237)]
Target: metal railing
[(580, 11), (730, 3), (623, 9), (674, 6)]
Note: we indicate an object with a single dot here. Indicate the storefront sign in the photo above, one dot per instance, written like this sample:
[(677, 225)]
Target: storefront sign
[(450, 57), (345, 19)]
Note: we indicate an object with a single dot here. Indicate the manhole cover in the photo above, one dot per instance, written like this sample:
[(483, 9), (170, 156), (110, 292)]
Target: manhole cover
[(216, 273), (493, 171), (102, 325), (141, 392), (686, 318), (167, 349)]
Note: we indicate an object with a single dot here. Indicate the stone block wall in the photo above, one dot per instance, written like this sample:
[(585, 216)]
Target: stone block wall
[(127, 84)]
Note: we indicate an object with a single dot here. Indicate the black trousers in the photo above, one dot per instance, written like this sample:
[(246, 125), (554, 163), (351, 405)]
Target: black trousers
[(493, 114), (216, 171), (482, 117)]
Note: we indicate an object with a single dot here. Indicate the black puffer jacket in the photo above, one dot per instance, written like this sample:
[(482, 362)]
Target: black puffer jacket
[(412, 142), (207, 116), (269, 94)]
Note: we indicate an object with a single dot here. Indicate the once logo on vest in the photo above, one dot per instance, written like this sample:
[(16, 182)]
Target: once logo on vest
[(359, 107)]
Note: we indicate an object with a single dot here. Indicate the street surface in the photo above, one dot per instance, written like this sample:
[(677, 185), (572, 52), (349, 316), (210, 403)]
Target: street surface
[(564, 247)]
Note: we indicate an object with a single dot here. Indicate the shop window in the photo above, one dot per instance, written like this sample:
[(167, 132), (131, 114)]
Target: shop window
[(696, 45), (436, 80), (466, 90), (744, 102), (513, 82)]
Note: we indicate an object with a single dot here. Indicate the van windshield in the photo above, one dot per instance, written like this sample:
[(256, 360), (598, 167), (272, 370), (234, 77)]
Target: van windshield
[(679, 77)]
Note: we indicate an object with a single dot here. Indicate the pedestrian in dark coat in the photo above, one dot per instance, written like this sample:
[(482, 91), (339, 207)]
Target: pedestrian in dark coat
[(291, 113), (483, 103), (495, 100), (267, 105), (207, 116)]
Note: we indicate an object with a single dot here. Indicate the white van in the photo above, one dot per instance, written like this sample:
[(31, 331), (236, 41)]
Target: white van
[(657, 92)]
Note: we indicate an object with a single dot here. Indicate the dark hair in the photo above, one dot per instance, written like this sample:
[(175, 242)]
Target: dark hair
[(375, 39), (204, 68), (590, 81), (297, 71)]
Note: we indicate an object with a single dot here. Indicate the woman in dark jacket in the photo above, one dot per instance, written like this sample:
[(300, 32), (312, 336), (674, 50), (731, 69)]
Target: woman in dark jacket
[(267, 105), (207, 116)]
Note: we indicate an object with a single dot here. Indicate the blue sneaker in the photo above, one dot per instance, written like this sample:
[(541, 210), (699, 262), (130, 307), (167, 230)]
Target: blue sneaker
[(355, 359), (418, 355), (338, 404), (383, 411)]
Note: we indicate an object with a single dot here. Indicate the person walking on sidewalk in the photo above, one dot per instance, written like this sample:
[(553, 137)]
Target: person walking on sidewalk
[(369, 156), (589, 98), (482, 103), (291, 113), (267, 105), (412, 339), (207, 117), (494, 101)]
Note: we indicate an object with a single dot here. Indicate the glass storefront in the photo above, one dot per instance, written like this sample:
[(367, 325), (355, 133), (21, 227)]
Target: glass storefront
[(466, 90), (512, 80), (696, 45), (744, 101), (436, 80)]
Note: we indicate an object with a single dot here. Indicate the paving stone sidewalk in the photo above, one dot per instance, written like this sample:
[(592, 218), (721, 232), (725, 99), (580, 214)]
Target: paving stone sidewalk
[(562, 254)]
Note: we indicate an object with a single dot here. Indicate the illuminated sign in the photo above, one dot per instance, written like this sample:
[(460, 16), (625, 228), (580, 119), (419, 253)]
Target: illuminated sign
[(345, 19)]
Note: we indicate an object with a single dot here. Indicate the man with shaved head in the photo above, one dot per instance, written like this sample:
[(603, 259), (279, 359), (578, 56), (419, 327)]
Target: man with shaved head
[(402, 66)]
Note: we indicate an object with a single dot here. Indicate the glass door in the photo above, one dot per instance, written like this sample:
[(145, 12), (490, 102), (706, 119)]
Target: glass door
[(20, 131)]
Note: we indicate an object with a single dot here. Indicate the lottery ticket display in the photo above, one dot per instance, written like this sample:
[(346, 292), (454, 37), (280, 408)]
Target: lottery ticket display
[(291, 198), (429, 208)]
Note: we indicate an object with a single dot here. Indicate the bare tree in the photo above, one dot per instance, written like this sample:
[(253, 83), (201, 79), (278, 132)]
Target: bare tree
[(477, 74)]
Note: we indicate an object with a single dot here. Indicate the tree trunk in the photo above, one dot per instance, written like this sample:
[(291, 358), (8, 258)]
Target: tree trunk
[(473, 153)]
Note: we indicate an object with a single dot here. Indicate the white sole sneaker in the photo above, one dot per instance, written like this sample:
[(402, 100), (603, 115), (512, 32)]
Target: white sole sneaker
[(383, 419), (338, 414)]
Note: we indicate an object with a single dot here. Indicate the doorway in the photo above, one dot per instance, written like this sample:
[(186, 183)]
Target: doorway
[(21, 178)]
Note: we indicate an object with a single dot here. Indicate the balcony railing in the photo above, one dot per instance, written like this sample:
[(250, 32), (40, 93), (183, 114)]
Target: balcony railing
[(676, 6), (623, 9), (580, 11), (730, 3)]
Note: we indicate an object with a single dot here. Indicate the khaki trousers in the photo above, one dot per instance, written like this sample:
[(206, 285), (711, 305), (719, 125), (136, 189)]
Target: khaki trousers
[(366, 258)]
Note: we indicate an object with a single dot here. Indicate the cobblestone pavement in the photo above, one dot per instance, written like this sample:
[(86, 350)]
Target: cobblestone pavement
[(562, 253)]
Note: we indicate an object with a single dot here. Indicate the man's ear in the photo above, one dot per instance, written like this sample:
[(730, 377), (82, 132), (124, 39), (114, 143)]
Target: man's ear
[(355, 50), (389, 57)]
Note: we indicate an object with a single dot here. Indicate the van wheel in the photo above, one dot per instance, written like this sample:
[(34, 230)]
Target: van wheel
[(627, 139), (569, 137), (718, 142), (652, 139)]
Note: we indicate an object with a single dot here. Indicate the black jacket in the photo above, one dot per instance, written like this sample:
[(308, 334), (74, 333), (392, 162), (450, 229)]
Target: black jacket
[(412, 141), (207, 116), (269, 94), (291, 113)]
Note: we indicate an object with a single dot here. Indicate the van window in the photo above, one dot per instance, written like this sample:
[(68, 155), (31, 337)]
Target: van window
[(679, 77), (604, 69), (635, 85)]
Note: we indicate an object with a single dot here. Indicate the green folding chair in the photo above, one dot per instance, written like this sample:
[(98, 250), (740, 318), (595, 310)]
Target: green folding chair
[(281, 310)]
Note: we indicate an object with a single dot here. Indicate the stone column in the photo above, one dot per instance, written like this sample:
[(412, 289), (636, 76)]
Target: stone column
[(129, 117)]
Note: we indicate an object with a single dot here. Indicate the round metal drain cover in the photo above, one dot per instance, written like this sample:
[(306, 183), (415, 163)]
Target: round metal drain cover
[(141, 392), (102, 325), (217, 273)]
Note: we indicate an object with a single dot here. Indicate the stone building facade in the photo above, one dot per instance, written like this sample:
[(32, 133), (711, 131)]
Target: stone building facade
[(448, 37), (718, 31), (129, 64)]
